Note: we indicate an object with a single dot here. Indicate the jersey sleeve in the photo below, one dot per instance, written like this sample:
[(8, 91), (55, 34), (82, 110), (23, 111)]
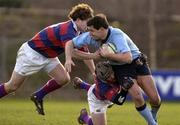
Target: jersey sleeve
[(82, 40), (121, 43)]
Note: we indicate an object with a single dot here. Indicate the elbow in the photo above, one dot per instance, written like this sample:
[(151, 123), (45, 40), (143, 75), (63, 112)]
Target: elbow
[(129, 59), (69, 45)]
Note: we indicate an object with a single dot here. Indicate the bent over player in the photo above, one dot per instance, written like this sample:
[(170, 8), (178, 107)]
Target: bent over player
[(103, 93), (40, 53)]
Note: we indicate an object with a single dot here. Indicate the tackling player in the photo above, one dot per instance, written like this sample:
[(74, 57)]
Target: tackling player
[(128, 61), (103, 93), (41, 53)]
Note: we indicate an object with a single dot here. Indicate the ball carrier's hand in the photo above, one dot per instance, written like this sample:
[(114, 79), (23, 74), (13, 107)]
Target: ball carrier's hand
[(68, 64)]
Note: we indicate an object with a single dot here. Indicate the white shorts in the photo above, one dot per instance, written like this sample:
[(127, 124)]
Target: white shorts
[(29, 61), (97, 106)]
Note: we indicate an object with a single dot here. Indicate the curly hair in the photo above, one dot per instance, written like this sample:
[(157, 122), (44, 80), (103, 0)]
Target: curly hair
[(81, 11)]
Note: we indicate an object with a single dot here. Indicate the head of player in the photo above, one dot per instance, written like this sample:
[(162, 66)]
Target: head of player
[(80, 15), (105, 72), (98, 27)]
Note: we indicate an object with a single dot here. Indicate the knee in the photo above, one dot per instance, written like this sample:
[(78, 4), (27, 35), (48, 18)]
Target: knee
[(67, 79), (138, 97), (156, 100), (64, 80)]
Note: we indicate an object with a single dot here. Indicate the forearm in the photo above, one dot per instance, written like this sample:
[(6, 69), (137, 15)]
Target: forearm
[(121, 57), (68, 50), (84, 55), (90, 65)]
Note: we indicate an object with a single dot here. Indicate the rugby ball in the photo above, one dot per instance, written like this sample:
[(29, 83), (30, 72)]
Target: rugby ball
[(110, 47)]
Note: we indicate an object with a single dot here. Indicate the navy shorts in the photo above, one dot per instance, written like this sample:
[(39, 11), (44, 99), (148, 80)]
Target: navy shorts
[(139, 66)]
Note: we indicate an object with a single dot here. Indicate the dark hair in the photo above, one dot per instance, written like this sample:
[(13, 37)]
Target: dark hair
[(81, 11), (98, 21)]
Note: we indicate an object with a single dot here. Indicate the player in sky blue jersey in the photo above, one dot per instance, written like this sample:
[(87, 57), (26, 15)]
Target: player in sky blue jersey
[(40, 53), (128, 61), (104, 93)]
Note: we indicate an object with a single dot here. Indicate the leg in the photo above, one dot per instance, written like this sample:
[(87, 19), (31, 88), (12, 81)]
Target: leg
[(140, 104), (78, 83), (94, 119), (146, 82), (136, 95), (59, 78), (99, 119), (12, 85), (85, 118)]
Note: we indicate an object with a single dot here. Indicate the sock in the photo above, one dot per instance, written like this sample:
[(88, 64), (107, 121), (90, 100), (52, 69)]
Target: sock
[(85, 86), (87, 119), (50, 86), (145, 112), (154, 110), (2, 91)]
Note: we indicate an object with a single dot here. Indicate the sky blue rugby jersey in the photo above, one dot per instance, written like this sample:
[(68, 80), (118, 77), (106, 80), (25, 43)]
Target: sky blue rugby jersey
[(121, 40)]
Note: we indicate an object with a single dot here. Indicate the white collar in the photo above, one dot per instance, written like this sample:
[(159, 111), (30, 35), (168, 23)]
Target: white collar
[(74, 25)]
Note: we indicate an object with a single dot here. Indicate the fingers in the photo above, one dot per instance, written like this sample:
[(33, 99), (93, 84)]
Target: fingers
[(72, 63), (68, 65)]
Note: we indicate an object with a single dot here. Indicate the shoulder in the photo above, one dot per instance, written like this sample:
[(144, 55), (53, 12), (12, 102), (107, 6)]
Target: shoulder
[(83, 37), (116, 31)]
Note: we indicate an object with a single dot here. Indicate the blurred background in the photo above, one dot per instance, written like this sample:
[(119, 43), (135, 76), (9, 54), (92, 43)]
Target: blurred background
[(153, 25)]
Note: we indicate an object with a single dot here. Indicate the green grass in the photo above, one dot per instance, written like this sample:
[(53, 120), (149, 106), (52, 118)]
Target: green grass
[(21, 112)]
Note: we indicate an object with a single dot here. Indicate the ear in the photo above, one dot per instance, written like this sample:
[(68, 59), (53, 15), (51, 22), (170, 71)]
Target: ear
[(78, 20)]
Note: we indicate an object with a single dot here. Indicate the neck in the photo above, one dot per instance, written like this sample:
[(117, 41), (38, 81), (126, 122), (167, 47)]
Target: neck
[(76, 26)]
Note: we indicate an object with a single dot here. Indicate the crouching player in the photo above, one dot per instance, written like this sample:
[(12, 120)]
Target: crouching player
[(104, 93)]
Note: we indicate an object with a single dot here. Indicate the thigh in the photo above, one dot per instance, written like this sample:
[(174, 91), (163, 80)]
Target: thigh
[(59, 73), (147, 83), (99, 119)]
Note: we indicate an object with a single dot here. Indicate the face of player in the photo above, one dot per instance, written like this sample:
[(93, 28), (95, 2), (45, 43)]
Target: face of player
[(111, 79), (96, 34), (81, 25)]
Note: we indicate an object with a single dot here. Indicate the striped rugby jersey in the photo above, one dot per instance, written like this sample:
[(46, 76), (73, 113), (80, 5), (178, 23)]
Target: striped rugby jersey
[(104, 91), (50, 42)]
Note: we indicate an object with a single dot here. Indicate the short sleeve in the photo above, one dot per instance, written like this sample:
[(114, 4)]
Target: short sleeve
[(82, 40), (121, 43)]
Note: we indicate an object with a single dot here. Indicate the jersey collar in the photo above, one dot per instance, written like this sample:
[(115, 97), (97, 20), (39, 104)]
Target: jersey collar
[(108, 34), (75, 26)]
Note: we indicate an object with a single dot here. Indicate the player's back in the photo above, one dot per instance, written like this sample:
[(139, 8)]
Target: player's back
[(50, 42), (105, 91)]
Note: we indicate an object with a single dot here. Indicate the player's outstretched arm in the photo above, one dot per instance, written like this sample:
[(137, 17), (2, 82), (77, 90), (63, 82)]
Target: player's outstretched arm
[(68, 53), (85, 55), (91, 66)]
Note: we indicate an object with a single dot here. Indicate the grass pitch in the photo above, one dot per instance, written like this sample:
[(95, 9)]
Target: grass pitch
[(22, 112)]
